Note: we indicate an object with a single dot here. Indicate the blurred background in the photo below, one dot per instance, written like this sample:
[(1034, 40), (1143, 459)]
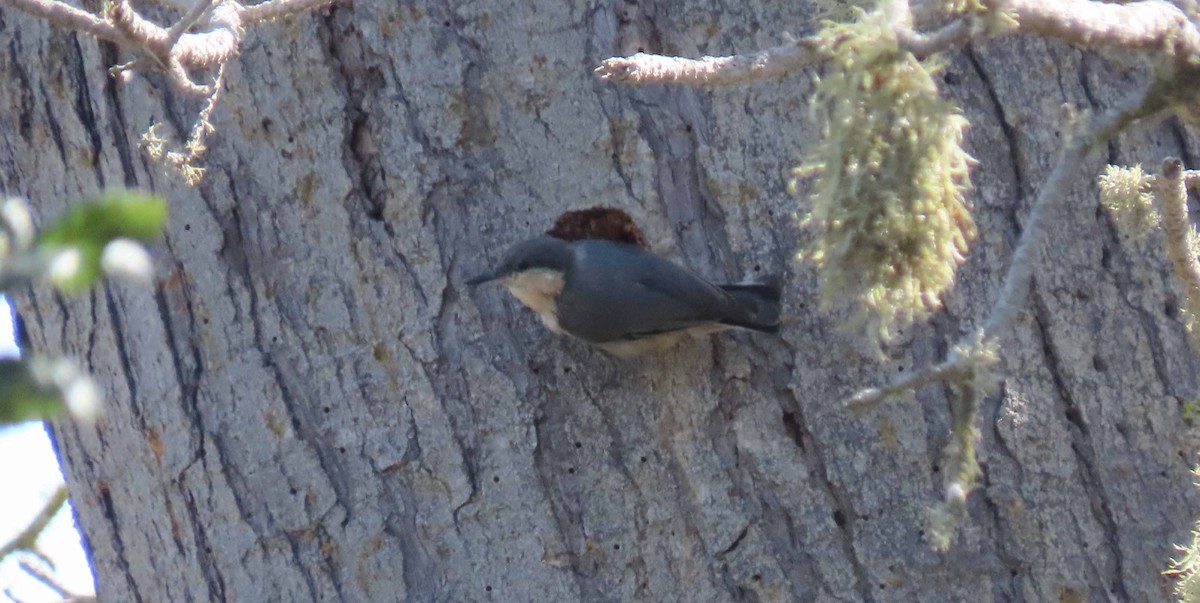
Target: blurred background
[(29, 475)]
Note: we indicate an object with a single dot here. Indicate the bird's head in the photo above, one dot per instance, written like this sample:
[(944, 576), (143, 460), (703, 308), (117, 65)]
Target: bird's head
[(543, 254)]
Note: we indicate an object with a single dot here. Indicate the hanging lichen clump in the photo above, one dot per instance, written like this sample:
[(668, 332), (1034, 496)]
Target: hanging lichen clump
[(891, 174)]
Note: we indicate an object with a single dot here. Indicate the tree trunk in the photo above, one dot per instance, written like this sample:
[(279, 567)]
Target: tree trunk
[(310, 404)]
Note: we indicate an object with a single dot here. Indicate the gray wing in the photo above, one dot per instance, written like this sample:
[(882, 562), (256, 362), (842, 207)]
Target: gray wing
[(616, 291)]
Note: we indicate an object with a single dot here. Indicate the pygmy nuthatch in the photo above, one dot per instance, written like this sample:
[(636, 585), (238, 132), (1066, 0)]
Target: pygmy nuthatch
[(625, 300)]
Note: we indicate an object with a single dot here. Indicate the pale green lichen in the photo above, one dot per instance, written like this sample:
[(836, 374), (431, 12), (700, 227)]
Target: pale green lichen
[(891, 175), (1190, 409), (980, 356), (942, 523), (1125, 192), (1190, 321), (183, 164)]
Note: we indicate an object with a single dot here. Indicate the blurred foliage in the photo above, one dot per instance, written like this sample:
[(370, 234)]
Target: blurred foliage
[(102, 237), (90, 227), (22, 397)]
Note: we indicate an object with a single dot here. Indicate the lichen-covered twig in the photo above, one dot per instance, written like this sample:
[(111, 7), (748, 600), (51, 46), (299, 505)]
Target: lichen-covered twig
[(949, 370), (68, 17), (922, 45), (1172, 196), (27, 539), (769, 64), (1157, 27), (954, 35), (192, 50), (125, 26), (273, 9), (176, 49), (188, 20)]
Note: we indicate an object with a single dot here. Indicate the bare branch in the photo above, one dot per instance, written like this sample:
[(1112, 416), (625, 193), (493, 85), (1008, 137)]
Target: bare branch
[(1172, 195), (769, 64), (182, 80), (273, 9), (956, 34), (205, 49), (182, 26), (952, 35), (946, 371), (68, 17), (28, 537), (136, 30), (1053, 194), (202, 49), (1152, 26)]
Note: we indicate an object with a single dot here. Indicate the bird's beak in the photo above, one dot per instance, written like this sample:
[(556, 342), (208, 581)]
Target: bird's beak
[(482, 278)]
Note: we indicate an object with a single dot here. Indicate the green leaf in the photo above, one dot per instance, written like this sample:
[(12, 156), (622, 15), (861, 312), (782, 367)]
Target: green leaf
[(89, 227), (113, 216), (23, 397)]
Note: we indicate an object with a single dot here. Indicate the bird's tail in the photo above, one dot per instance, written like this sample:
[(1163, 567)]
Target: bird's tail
[(759, 301)]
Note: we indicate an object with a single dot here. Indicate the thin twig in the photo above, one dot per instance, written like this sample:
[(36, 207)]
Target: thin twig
[(182, 26), (273, 9), (67, 16), (183, 80), (28, 537), (769, 64), (46, 578), (1153, 26), (946, 371), (203, 49), (1051, 197), (955, 34)]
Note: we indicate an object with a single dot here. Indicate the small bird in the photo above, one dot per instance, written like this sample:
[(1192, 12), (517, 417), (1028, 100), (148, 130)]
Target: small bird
[(624, 299)]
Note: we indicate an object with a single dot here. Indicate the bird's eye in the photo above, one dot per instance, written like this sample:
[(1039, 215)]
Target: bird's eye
[(522, 266)]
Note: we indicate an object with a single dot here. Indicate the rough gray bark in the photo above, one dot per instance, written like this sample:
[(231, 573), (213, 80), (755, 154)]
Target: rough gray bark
[(311, 406)]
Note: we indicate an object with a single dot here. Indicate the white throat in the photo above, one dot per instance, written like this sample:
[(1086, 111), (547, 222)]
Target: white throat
[(538, 289)]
